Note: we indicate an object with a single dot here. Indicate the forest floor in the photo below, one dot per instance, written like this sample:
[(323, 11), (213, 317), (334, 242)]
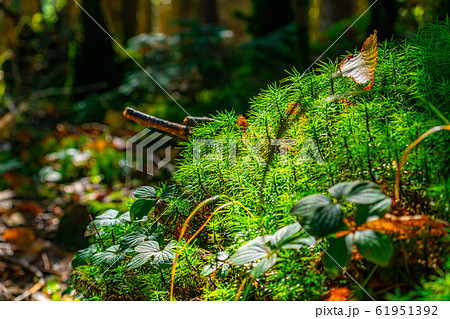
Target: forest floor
[(46, 201)]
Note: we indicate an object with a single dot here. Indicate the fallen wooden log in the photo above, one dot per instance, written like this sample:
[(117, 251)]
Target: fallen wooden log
[(149, 121), (194, 120)]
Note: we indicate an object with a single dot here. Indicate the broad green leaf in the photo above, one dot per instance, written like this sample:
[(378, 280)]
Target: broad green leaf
[(365, 193), (125, 217), (209, 269), (108, 218), (381, 207), (141, 208), (307, 206), (111, 256), (359, 192), (222, 255), (342, 189), (224, 267), (139, 260), (284, 233), (146, 192), (149, 251), (374, 247), (163, 259), (158, 237), (299, 242), (338, 254), (253, 250), (82, 256), (150, 247), (326, 220), (146, 250), (363, 212), (133, 239), (223, 272), (263, 265)]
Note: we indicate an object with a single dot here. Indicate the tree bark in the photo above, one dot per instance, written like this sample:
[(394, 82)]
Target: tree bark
[(129, 19), (95, 59), (301, 8), (208, 12), (384, 16)]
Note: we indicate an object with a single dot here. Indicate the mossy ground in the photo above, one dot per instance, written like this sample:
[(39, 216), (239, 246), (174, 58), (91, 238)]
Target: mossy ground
[(361, 135)]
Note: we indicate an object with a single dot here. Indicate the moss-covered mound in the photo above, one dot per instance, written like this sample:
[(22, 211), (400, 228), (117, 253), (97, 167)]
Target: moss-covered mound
[(301, 137)]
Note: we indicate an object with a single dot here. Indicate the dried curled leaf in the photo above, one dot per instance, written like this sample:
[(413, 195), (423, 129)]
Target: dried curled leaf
[(407, 226), (361, 67), (242, 122), (338, 294)]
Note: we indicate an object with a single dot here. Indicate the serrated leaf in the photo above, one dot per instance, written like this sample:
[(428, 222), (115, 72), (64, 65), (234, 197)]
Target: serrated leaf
[(146, 192), (253, 250), (326, 220), (263, 265), (374, 247), (338, 254), (307, 206), (82, 256), (141, 208)]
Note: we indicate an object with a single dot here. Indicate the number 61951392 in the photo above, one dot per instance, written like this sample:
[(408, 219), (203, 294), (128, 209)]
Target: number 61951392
[(406, 310)]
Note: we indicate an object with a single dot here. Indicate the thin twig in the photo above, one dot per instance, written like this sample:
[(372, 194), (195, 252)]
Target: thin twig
[(98, 233)]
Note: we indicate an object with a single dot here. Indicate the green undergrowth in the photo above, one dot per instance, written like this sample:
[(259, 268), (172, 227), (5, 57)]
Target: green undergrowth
[(341, 133)]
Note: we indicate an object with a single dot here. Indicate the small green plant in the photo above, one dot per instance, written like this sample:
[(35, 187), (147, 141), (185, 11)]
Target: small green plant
[(265, 248), (324, 216), (147, 198)]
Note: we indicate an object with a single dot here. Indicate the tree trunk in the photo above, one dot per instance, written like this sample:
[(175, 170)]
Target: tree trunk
[(301, 8), (208, 12), (95, 59), (384, 16), (129, 18)]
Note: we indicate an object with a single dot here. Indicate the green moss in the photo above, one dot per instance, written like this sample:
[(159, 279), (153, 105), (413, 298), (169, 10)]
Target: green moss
[(362, 138)]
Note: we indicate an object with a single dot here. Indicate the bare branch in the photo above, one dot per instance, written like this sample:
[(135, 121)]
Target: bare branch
[(149, 121)]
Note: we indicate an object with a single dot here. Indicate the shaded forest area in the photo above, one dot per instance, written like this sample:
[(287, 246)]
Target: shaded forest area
[(64, 84)]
